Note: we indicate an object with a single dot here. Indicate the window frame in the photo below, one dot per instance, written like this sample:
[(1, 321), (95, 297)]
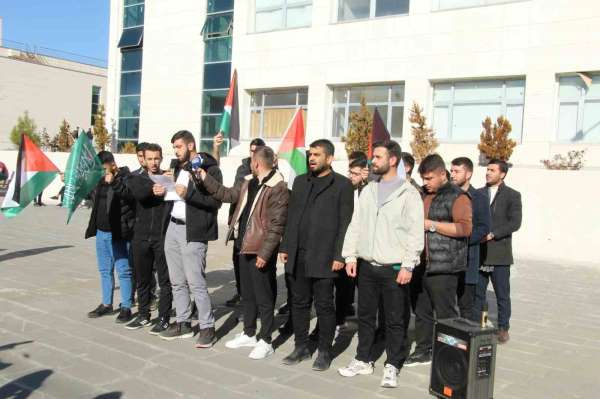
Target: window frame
[(372, 12), (504, 103), (483, 3), (261, 108), (284, 8), (581, 101)]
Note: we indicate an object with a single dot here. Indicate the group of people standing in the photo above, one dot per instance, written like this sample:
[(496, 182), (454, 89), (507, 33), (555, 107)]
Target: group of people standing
[(402, 247)]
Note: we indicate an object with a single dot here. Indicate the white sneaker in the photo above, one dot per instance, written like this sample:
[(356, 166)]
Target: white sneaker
[(240, 341), (390, 377), (356, 367), (261, 350)]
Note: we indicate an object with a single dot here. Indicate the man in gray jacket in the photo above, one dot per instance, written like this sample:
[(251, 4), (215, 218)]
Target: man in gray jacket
[(384, 241)]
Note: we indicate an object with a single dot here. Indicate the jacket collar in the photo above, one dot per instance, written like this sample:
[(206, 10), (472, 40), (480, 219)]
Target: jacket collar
[(373, 186), (272, 182), (328, 180)]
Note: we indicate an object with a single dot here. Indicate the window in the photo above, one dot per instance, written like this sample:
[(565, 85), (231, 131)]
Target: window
[(579, 109), (217, 50), (95, 102), (219, 6), (349, 10), (282, 14), (131, 37), (271, 111), (389, 100), (133, 16), (460, 107), (450, 4), (218, 25)]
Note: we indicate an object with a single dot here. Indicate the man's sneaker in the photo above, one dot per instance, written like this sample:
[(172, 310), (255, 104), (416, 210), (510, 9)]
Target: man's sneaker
[(390, 377), (160, 326), (140, 321), (240, 340), (503, 336), (234, 301), (417, 358), (356, 367), (261, 350), (177, 330), (100, 311), (206, 338), (124, 316)]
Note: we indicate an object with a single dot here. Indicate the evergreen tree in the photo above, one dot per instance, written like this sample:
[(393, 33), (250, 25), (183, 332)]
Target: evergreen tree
[(101, 135), (424, 142), (494, 141), (359, 128), (25, 125), (64, 139)]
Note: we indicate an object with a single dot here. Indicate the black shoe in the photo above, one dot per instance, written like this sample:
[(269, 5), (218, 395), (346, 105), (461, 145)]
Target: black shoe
[(284, 309), (417, 358), (206, 338), (140, 321), (124, 316), (177, 330), (287, 328), (322, 362), (161, 325), (100, 311), (298, 355), (234, 301)]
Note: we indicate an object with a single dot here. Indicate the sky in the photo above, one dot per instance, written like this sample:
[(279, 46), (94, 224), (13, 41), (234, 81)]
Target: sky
[(74, 26)]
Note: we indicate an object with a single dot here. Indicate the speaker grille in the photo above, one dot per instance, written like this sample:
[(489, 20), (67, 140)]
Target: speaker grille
[(452, 367)]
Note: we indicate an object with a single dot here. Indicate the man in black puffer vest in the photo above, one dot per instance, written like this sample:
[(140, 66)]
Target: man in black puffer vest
[(448, 225)]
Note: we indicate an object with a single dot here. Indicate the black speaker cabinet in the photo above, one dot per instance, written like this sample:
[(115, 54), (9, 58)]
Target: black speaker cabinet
[(464, 358)]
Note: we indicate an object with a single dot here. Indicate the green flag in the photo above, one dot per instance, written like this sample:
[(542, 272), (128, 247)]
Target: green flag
[(83, 172)]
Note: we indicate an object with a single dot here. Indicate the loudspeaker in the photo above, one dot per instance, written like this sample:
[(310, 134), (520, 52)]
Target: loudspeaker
[(464, 358)]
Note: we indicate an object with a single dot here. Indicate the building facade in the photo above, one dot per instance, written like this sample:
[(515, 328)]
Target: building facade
[(533, 61)]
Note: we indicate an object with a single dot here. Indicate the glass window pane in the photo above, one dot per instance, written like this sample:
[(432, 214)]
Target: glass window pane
[(591, 123), (447, 4), (372, 94), (276, 121), (397, 121), (262, 4), (269, 20), (219, 5), (256, 99), (210, 125), (353, 9), (570, 87), (467, 119), (131, 83), (442, 93), (129, 128), (440, 122), (133, 16), (594, 90), (206, 145), (131, 60), (303, 97), (217, 50), (298, 16), (131, 2), (339, 95), (217, 25), (567, 122), (515, 90), (129, 106), (213, 101), (131, 37), (96, 90), (217, 76), (514, 114), (280, 98), (478, 91), (339, 122), (391, 7), (398, 94)]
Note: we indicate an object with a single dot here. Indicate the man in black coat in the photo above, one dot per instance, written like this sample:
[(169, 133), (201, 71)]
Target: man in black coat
[(496, 251), (319, 213)]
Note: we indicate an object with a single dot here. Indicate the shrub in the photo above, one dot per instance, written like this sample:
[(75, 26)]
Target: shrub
[(494, 140), (25, 125), (572, 161), (359, 128), (424, 142)]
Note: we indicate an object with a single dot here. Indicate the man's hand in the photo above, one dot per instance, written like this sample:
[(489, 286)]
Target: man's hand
[(404, 276), (260, 262), (283, 257), (364, 173), (158, 190), (168, 173), (109, 177), (428, 224), (337, 265), (489, 237), (218, 140), (181, 190), (201, 174), (351, 269)]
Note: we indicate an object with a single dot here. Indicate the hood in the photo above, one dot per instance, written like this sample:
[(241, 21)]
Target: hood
[(208, 160)]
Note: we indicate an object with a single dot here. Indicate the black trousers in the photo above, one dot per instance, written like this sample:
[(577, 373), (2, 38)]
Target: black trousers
[(235, 258), (501, 282), (466, 298), (304, 291), (146, 256), (259, 291), (344, 296), (377, 284), (437, 294)]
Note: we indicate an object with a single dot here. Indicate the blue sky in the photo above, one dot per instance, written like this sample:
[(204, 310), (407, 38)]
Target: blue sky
[(76, 26)]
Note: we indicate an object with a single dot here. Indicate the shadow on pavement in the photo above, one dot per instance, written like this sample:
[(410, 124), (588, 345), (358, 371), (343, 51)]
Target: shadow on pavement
[(110, 395), (13, 345), (31, 252), (23, 387)]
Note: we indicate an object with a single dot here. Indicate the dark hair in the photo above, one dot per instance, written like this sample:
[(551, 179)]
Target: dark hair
[(153, 147), (265, 154), (356, 156), (463, 161), (409, 160), (503, 165), (184, 135), (358, 163), (258, 142), (106, 157), (325, 144), (392, 147), (432, 163), (141, 146)]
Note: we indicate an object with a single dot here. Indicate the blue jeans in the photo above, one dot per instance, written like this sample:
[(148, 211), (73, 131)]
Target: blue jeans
[(113, 254)]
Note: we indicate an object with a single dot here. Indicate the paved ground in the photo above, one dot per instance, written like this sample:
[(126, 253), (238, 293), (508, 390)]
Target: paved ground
[(48, 348)]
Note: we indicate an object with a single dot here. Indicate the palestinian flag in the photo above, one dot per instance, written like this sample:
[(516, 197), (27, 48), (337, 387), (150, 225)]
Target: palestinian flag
[(34, 172), (292, 151), (378, 132), (230, 121)]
